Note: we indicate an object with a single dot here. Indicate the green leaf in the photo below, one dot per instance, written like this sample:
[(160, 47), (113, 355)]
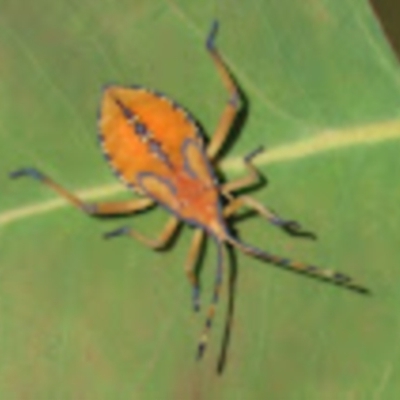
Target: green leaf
[(86, 318)]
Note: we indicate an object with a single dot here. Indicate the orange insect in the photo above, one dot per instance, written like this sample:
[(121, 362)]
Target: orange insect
[(156, 148)]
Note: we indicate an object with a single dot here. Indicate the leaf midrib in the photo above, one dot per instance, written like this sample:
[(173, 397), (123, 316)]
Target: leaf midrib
[(325, 141)]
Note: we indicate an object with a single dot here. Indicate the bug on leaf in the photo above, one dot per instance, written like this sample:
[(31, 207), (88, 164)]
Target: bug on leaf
[(156, 149)]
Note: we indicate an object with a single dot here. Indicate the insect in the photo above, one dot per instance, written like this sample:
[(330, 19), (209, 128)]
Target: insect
[(155, 147)]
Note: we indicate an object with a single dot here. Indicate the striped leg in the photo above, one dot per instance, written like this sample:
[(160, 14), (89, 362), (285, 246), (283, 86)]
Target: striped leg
[(231, 109), (291, 227), (211, 310), (190, 266), (158, 243), (92, 209), (326, 274), (337, 278)]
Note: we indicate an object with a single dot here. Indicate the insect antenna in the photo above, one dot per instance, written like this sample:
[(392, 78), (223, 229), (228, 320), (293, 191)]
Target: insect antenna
[(211, 310), (328, 275)]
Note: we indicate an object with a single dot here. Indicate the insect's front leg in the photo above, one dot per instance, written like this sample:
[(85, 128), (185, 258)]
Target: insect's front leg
[(232, 106), (92, 209)]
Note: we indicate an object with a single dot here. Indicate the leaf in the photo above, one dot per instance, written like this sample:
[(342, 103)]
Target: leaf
[(85, 318)]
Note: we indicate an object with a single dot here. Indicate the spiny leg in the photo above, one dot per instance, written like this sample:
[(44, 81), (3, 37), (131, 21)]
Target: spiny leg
[(231, 109), (158, 243), (211, 311), (190, 266), (93, 209)]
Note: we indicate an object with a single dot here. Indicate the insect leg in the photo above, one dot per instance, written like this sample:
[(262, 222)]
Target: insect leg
[(93, 209), (231, 109), (249, 179), (190, 266), (158, 243), (328, 275), (211, 311), (291, 227)]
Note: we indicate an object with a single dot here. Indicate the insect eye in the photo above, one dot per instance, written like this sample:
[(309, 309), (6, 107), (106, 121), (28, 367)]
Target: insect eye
[(195, 162), (159, 189)]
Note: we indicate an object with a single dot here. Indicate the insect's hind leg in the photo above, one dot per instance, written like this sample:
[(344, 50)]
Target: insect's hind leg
[(233, 104), (335, 277), (158, 243), (92, 209), (190, 266)]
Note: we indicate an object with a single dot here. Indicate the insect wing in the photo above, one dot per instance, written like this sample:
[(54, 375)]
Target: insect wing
[(141, 131), (196, 163)]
